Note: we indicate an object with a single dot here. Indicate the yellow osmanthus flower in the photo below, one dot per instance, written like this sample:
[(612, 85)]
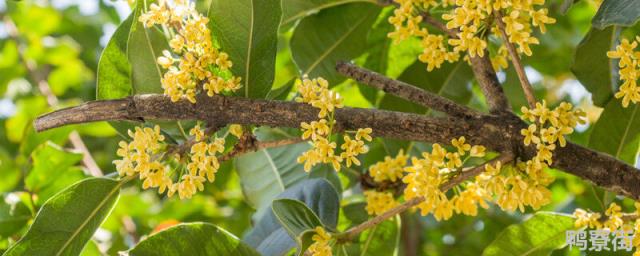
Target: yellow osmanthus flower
[(548, 129), (320, 246), (196, 58), (629, 70), (379, 202), (144, 156), (236, 130), (316, 93), (425, 175), (390, 169), (587, 219), (473, 22)]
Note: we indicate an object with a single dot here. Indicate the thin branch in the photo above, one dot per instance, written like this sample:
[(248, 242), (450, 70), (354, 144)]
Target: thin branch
[(352, 232), (405, 91), (482, 69), (52, 100), (517, 64)]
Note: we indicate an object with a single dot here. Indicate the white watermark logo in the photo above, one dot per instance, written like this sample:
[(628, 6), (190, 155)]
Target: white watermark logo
[(600, 240)]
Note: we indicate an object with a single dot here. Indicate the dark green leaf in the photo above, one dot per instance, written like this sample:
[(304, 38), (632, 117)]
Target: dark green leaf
[(539, 235), (248, 31), (192, 239), (332, 35), (617, 12), (295, 216), (144, 47), (114, 69), (270, 238), (66, 222), (593, 68), (293, 10), (281, 92), (384, 237), (617, 131)]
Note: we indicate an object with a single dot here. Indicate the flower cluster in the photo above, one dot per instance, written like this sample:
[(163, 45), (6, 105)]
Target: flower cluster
[(390, 169), (473, 22), (197, 63), (145, 156), (379, 202), (549, 127), (316, 93), (613, 220), (513, 187), (320, 246), (629, 70), (426, 174)]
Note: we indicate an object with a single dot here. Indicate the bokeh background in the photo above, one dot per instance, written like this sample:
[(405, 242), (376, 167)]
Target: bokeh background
[(49, 53)]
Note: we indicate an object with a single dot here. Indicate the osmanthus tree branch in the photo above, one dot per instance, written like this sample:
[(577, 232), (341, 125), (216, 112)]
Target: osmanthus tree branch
[(405, 91), (500, 133), (515, 59), (352, 232)]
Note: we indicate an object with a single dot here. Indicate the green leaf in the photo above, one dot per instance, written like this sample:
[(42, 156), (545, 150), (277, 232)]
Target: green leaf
[(144, 47), (114, 70), (450, 81), (270, 238), (53, 170), (192, 239), (66, 222), (298, 220), (14, 215), (377, 55), (281, 92), (332, 35), (617, 12), (295, 216), (593, 68), (248, 31), (293, 10), (617, 131), (539, 235)]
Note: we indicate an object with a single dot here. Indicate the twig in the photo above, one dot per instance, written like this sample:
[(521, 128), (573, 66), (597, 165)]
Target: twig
[(52, 100), (352, 232), (517, 64), (405, 91)]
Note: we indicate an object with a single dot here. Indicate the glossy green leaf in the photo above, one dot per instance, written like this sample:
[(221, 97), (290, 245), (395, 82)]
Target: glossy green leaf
[(192, 239), (539, 235), (144, 47), (66, 222), (377, 55), (450, 81), (332, 35), (248, 31), (617, 12), (293, 10), (14, 215), (270, 238), (53, 170), (617, 131), (297, 219), (281, 92), (114, 70), (593, 68)]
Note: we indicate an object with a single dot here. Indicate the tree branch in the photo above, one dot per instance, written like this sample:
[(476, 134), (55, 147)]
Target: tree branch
[(517, 64), (405, 91), (352, 232), (500, 133)]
